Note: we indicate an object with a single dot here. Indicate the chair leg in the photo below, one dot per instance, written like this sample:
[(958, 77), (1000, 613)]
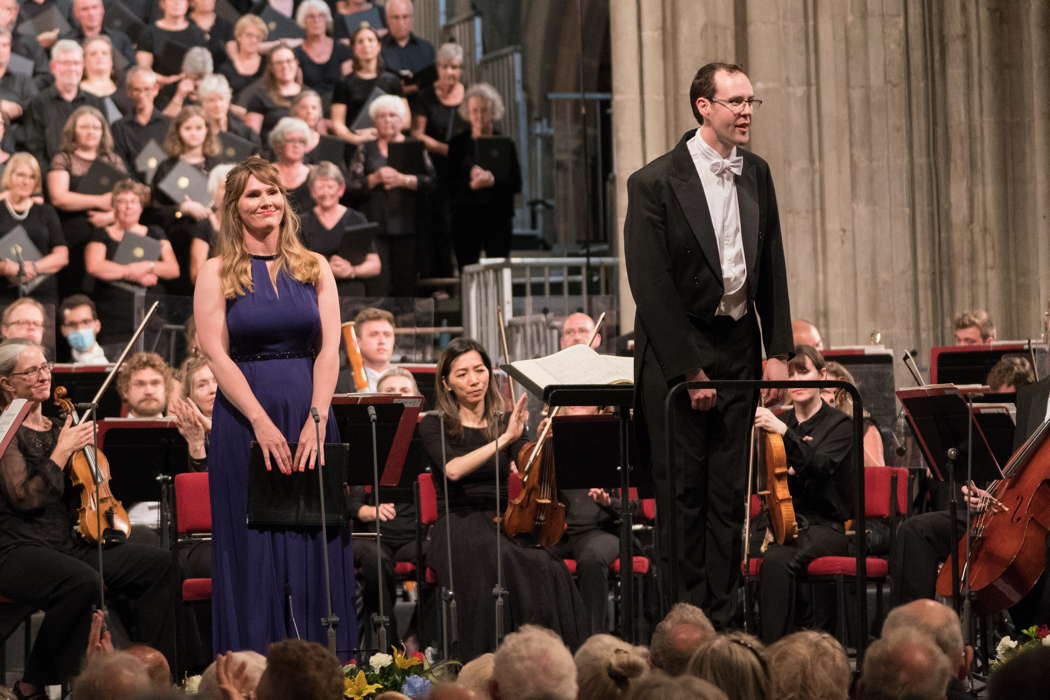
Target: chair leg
[(843, 612)]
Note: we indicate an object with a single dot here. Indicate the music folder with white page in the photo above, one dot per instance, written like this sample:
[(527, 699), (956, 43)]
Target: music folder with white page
[(575, 365), (11, 420)]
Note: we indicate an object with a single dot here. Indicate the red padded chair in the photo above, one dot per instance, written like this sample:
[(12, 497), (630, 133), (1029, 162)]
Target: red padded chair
[(193, 524)]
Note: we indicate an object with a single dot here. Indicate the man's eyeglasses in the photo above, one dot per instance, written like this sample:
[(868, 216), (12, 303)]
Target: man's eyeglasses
[(736, 104), (26, 323), (33, 371)]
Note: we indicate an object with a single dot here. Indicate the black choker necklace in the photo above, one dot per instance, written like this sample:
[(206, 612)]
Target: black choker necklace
[(264, 257)]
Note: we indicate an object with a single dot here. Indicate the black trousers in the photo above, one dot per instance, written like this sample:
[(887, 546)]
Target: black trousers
[(709, 455), (594, 551), (778, 592), (485, 230), (923, 542), (65, 587), (367, 567), (397, 278)]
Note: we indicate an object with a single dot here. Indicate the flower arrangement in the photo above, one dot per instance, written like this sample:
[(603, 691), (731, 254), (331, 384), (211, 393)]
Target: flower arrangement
[(1033, 638), (410, 674)]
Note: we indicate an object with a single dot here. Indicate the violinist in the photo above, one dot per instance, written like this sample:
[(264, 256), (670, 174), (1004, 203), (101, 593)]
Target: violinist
[(42, 562), (477, 422), (818, 442)]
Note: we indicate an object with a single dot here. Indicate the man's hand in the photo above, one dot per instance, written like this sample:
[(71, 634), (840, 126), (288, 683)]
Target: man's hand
[(701, 399), (765, 419), (775, 370), (99, 640)]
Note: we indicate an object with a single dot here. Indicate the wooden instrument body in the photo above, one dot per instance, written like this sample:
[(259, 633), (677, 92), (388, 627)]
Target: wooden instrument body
[(777, 493), (536, 509), (353, 356), (100, 515), (1009, 553)]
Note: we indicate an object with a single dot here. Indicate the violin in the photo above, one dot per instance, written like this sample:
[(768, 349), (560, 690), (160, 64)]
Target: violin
[(353, 355), (768, 447), (100, 517), (1009, 553)]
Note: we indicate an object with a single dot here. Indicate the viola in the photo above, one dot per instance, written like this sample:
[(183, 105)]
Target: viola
[(536, 508), (1009, 553), (100, 517), (769, 448), (353, 356)]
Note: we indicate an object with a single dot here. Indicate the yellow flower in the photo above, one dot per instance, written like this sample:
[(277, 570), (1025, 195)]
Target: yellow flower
[(358, 687), (404, 662)]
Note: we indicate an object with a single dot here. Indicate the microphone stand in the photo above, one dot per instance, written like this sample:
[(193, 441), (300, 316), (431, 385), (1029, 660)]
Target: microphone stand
[(329, 621), (499, 592), (379, 618), (449, 610)]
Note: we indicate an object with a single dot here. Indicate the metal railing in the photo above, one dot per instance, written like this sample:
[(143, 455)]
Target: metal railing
[(466, 31), (525, 288)]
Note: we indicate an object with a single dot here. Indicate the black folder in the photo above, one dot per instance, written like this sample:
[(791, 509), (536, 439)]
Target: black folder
[(331, 149), (149, 158), (357, 242), (167, 57), (135, 248), (495, 154), (406, 156), (234, 148), (100, 178), (280, 26), (16, 243), (120, 18), (363, 120), (19, 65), (45, 21), (184, 181), (293, 501), (367, 18)]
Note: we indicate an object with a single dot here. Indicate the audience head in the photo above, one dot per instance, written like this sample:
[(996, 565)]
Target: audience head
[(805, 333), (1010, 374), (215, 94), (940, 622), (116, 675), (307, 106), (154, 662), (254, 664), (198, 383), (327, 184), (21, 178), (476, 675), (389, 115), (481, 106), (79, 322), (734, 662), (315, 17), (808, 665), (905, 664), (533, 664), (67, 64), (98, 57), (142, 87), (191, 129), (86, 129), (24, 371), (375, 336), (1024, 677), (143, 382), (606, 667), (660, 686), (449, 62), (973, 328), (249, 32), (677, 636), (399, 19), (364, 47), (289, 139), (217, 183), (89, 15), (302, 670), (129, 199), (576, 329), (397, 380), (23, 318), (282, 68)]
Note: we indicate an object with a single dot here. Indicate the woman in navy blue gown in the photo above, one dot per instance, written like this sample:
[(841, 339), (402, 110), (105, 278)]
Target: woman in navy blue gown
[(267, 318)]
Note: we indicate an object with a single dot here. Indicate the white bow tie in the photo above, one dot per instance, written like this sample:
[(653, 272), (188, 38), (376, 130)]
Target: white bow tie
[(734, 165)]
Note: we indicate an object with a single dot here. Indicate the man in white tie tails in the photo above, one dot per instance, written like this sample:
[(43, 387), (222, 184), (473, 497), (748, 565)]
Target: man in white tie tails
[(706, 267)]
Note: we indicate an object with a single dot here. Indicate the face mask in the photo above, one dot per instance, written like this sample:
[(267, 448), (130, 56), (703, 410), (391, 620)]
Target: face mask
[(81, 339)]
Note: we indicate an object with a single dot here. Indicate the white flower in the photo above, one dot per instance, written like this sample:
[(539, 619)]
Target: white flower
[(379, 661), (1046, 641), (1005, 645), (192, 685)]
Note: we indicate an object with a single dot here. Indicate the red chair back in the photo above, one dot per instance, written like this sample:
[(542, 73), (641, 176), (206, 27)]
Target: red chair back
[(881, 485), (192, 504), (428, 502)]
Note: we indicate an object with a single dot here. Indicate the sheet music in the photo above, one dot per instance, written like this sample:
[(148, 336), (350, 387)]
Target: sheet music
[(10, 414), (578, 364)]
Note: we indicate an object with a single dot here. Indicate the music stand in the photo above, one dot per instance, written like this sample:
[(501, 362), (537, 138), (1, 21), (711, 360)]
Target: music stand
[(589, 469), (953, 441), (82, 382), (293, 501)]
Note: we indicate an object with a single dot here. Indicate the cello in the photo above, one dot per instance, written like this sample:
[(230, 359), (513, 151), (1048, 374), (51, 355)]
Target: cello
[(1008, 553)]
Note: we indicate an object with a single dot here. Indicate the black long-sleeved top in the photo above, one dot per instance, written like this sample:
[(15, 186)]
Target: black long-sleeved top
[(130, 136), (394, 210), (820, 450), (44, 117), (475, 491), (35, 498), (497, 201)]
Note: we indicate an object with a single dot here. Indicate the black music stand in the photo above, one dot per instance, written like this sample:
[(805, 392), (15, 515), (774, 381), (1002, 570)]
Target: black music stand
[(82, 383), (952, 437), (587, 468)]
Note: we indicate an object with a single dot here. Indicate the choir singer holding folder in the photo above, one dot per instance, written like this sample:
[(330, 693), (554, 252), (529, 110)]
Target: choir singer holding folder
[(706, 266)]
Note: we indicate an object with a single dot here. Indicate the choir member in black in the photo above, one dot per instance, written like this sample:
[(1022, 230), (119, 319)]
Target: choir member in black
[(435, 122), (482, 206), (173, 26), (190, 140), (323, 59), (215, 95), (818, 441), (217, 30), (390, 198), (324, 226), (403, 52), (15, 92), (351, 94), (88, 16), (42, 562), (196, 63), (144, 123), (20, 181), (270, 100), (98, 76), (539, 588), (203, 235), (288, 140), (245, 63), (308, 106), (114, 303), (350, 7), (85, 139)]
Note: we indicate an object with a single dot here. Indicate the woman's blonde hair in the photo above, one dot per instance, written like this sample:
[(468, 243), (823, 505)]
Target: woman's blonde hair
[(236, 270), (736, 663), (173, 144), (16, 161), (606, 666), (247, 22), (68, 142)]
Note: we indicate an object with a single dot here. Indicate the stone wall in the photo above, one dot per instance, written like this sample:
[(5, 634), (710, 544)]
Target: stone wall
[(908, 141)]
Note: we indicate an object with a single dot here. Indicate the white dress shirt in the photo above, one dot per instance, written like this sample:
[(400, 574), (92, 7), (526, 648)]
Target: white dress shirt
[(92, 356), (720, 191)]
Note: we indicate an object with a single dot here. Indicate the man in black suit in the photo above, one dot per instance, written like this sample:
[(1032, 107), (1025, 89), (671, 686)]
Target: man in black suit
[(706, 266)]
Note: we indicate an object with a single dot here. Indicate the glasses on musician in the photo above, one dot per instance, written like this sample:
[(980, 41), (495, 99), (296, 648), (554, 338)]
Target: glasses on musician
[(33, 371), (737, 104), (26, 323)]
